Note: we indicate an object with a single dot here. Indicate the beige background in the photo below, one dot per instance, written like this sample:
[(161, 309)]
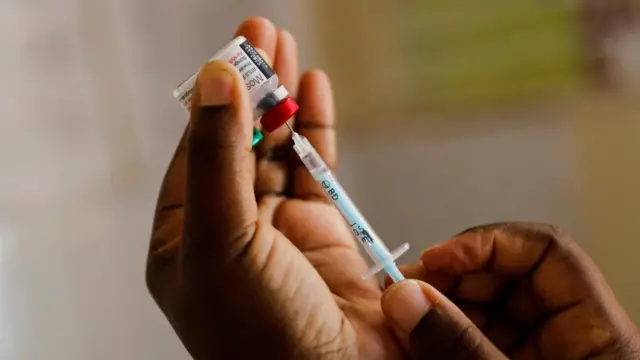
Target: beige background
[(88, 125)]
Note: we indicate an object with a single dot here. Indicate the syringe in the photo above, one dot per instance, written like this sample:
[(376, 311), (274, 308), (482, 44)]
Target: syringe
[(382, 258)]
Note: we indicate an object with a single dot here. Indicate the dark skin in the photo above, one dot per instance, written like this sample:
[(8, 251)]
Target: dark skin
[(527, 288), (248, 259)]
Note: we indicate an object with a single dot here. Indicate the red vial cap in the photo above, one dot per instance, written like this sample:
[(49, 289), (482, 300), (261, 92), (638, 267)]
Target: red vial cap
[(279, 114)]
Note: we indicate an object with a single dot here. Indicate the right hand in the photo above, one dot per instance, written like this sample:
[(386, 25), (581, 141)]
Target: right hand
[(526, 291)]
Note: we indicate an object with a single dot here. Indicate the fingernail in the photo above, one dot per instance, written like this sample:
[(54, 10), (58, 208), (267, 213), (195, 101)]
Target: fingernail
[(405, 304), (215, 84)]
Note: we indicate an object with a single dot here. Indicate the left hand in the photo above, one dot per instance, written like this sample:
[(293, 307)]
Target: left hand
[(247, 259)]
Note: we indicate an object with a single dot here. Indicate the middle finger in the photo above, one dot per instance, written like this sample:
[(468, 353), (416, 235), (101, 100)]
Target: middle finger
[(271, 170)]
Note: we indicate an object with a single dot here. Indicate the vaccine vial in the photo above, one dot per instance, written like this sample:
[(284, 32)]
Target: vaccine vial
[(271, 101)]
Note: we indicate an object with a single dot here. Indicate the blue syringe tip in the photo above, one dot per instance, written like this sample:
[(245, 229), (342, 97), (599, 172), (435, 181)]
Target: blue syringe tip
[(393, 272)]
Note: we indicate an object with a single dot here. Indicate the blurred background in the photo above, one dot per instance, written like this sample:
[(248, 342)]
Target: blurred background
[(469, 112)]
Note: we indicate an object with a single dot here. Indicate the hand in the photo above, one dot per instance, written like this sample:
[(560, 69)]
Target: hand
[(247, 259), (525, 290)]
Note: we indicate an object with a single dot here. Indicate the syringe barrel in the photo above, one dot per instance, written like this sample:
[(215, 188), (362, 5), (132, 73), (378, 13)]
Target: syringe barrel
[(358, 225), (363, 232), (354, 219)]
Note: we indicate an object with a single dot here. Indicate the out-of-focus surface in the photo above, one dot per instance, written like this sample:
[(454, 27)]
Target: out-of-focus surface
[(88, 126), (474, 112), (527, 113)]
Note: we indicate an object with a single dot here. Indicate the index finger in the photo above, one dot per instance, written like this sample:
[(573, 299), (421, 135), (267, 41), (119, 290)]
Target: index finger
[(559, 272), (511, 249)]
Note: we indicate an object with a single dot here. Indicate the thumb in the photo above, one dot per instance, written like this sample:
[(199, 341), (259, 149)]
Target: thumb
[(220, 208), (431, 326)]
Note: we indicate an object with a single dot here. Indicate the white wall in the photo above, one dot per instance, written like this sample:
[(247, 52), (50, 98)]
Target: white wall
[(88, 126), (423, 183)]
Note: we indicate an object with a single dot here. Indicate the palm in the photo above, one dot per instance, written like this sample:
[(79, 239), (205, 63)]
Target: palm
[(336, 259), (313, 242)]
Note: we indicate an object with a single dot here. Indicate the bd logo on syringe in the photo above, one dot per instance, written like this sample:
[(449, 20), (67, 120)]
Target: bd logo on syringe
[(362, 231), (329, 190)]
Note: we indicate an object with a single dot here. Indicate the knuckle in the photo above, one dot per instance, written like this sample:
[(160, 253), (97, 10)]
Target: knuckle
[(213, 128), (469, 344), (151, 281), (552, 234), (161, 279), (152, 285), (482, 228), (200, 257)]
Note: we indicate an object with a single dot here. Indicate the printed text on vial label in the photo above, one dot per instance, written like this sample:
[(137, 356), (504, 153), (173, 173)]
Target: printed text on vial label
[(250, 73)]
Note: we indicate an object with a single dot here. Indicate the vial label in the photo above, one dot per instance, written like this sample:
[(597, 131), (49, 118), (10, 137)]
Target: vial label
[(255, 69), (244, 57)]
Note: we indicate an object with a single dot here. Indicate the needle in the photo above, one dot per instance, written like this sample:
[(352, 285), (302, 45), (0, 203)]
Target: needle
[(360, 228)]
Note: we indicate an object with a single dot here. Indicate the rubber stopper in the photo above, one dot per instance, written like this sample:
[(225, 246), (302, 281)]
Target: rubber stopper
[(279, 114)]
